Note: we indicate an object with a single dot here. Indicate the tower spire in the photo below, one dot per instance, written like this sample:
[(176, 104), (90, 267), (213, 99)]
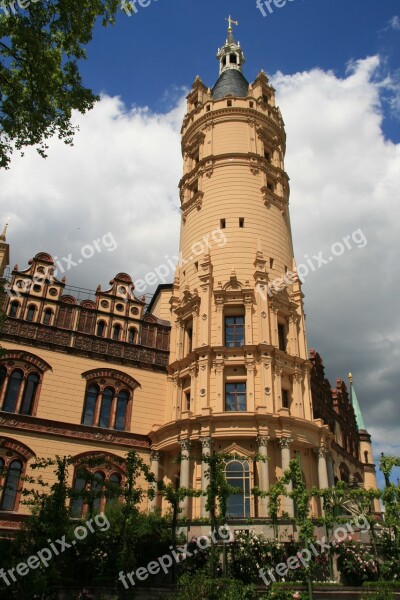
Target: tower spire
[(230, 55), (356, 405)]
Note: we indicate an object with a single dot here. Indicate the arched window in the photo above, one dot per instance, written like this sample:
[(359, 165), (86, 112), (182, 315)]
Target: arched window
[(30, 315), (92, 393), (98, 480), (100, 329), (121, 411), (106, 404), (21, 374), (12, 392), (14, 306), (65, 314), (86, 320), (29, 395), (238, 476), (47, 316), (108, 399), (132, 335), (116, 332), (11, 486)]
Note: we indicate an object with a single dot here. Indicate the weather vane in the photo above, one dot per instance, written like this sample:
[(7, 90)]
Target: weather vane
[(231, 22)]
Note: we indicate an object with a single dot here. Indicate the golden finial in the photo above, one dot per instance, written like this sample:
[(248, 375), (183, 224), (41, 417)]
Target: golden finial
[(351, 378), (231, 22)]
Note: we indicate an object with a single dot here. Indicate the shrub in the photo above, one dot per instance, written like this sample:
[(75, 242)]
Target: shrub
[(202, 587), (355, 563)]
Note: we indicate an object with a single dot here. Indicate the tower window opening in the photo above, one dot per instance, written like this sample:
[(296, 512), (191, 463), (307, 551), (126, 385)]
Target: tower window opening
[(251, 104), (366, 459), (222, 224), (229, 103), (195, 187), (281, 337), (271, 263), (234, 331), (224, 60), (187, 400), (233, 59), (267, 156), (196, 266), (208, 108), (285, 399), (235, 397), (241, 222), (271, 186)]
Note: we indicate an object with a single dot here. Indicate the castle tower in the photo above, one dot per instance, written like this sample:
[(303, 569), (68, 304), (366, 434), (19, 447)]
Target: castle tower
[(239, 371)]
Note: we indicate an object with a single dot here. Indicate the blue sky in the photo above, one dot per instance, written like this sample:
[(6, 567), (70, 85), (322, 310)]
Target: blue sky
[(145, 58), (336, 67)]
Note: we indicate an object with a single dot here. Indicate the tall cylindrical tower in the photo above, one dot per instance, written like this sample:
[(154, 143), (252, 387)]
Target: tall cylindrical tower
[(238, 373)]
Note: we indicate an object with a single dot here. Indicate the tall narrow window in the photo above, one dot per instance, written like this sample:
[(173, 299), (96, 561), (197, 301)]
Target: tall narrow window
[(30, 315), (14, 385), (47, 315), (238, 476), (121, 410), (77, 501), (285, 399), (13, 309), (11, 486), (29, 396), (116, 332), (234, 331), (97, 489), (235, 397), (105, 411), (101, 327), (113, 489), (90, 405), (282, 337), (86, 321), (132, 335)]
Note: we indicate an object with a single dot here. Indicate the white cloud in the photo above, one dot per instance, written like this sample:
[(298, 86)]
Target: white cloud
[(122, 177), (394, 23)]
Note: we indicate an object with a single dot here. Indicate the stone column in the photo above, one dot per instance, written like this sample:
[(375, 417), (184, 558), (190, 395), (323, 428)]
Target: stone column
[(331, 475), (284, 444), (263, 474), (155, 469), (184, 477), (205, 451), (322, 468)]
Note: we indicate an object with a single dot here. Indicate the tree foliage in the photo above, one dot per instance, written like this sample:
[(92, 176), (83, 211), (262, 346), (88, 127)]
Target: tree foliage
[(40, 82)]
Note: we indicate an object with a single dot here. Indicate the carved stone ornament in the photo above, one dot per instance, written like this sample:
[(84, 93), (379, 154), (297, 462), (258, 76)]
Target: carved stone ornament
[(285, 442)]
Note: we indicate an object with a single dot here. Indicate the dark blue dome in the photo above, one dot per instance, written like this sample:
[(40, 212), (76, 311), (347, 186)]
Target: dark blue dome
[(230, 83)]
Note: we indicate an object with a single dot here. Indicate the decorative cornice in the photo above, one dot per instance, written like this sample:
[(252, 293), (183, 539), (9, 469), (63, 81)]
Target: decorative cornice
[(102, 373), (20, 423), (80, 344)]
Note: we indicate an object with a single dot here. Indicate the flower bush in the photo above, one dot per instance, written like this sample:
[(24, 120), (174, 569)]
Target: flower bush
[(355, 562)]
